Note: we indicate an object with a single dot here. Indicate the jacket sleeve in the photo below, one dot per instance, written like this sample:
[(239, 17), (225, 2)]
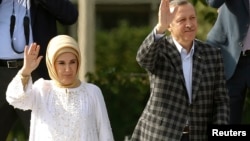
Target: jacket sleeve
[(148, 52), (64, 10)]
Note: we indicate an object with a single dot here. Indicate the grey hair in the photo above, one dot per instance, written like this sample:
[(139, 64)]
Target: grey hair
[(178, 2), (174, 3)]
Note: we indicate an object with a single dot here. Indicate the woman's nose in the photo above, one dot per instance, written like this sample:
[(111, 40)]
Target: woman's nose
[(67, 68)]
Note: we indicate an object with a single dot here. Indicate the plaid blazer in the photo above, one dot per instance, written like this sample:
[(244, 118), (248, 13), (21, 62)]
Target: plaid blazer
[(168, 108)]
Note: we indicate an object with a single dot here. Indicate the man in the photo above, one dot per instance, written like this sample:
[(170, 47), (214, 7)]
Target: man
[(188, 88), (231, 33), (23, 22)]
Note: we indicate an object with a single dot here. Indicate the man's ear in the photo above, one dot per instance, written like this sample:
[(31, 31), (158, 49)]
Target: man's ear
[(169, 28)]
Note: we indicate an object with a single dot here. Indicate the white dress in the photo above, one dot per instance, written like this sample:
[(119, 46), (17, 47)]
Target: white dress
[(62, 114)]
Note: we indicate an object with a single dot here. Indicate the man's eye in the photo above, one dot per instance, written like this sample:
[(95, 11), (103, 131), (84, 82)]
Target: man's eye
[(181, 20)]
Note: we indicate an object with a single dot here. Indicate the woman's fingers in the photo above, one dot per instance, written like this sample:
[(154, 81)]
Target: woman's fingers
[(34, 49)]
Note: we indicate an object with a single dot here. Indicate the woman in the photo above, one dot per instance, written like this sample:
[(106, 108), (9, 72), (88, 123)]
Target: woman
[(64, 108)]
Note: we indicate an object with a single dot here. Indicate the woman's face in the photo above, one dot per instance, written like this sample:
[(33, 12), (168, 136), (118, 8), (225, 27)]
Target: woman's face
[(66, 66)]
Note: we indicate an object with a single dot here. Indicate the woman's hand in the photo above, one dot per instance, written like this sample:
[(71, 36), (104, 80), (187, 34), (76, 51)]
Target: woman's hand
[(31, 59)]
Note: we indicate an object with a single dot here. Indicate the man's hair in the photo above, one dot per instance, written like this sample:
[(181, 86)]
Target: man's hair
[(174, 3), (178, 2)]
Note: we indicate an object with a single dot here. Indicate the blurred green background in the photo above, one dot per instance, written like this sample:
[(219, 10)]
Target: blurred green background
[(124, 84)]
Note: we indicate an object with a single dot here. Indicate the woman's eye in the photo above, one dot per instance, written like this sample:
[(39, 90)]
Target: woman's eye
[(61, 63), (73, 62)]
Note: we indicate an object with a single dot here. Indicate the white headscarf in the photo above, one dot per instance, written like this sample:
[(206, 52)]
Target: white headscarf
[(58, 45)]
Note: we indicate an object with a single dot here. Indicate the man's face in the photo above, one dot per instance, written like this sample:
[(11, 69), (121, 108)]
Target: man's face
[(184, 25)]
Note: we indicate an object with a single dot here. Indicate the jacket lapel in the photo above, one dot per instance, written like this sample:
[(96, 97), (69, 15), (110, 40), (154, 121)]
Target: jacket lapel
[(173, 53), (198, 66)]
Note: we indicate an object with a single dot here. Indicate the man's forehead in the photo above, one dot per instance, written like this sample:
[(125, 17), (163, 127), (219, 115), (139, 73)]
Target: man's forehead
[(173, 7)]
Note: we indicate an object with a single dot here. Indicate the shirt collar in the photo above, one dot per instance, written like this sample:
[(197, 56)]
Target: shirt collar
[(180, 48)]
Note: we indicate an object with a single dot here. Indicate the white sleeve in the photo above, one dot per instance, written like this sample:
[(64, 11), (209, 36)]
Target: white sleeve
[(157, 36), (17, 95), (103, 123)]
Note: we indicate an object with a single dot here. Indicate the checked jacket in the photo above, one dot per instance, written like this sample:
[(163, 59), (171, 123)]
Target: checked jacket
[(168, 107)]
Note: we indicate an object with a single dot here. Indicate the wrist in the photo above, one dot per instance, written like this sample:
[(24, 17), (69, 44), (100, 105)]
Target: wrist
[(160, 29), (24, 73)]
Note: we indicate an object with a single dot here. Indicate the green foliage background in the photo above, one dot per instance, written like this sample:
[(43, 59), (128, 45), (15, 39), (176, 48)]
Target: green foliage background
[(124, 84)]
